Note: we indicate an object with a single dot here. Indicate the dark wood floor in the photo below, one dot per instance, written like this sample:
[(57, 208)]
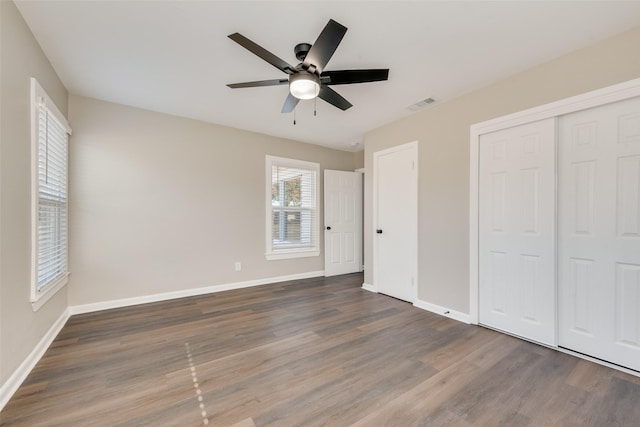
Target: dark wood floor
[(308, 353)]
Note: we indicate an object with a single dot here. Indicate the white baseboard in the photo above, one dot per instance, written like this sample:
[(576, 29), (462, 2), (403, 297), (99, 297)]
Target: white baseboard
[(125, 302), (443, 311), (370, 288), (20, 374)]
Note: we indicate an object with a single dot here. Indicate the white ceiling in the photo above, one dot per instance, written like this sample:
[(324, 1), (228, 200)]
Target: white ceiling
[(175, 57)]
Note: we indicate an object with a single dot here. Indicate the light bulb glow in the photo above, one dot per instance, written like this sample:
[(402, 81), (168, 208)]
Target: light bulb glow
[(304, 85)]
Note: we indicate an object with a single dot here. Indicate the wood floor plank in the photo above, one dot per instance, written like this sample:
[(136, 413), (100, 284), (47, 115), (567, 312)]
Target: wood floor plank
[(313, 352), (589, 378)]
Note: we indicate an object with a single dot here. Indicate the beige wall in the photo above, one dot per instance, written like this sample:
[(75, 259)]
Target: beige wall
[(21, 58), (443, 135), (160, 203), (358, 159)]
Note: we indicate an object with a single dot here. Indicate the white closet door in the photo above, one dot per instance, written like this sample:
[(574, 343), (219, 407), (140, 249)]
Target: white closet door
[(516, 231), (599, 232)]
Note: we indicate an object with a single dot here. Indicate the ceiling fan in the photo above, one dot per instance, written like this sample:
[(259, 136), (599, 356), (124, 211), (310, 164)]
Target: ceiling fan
[(308, 79)]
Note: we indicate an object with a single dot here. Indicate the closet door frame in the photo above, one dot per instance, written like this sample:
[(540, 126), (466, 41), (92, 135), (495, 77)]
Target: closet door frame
[(618, 92)]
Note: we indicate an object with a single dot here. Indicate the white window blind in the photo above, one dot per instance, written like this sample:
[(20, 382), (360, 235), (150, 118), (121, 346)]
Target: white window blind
[(292, 214), (50, 202)]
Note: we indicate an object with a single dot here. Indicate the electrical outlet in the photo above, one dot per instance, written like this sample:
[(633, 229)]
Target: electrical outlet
[(238, 266)]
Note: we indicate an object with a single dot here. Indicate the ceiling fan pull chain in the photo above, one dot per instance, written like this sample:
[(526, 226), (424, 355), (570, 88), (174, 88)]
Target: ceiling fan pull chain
[(294, 116), (315, 102)]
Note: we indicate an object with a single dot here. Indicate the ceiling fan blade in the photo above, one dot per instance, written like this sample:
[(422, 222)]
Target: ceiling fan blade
[(259, 83), (334, 98), (262, 53), (324, 47), (345, 77), (290, 104)]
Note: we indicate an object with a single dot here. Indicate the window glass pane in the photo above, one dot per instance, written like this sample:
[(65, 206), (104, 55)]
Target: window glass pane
[(292, 229), (292, 187)]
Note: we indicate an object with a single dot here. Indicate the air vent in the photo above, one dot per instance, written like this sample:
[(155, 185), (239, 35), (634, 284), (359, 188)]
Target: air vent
[(421, 104)]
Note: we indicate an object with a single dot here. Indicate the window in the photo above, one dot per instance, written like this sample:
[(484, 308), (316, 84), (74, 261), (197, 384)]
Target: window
[(292, 208), (50, 137)]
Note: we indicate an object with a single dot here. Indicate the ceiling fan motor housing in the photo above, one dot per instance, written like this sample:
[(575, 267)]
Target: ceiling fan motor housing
[(301, 50)]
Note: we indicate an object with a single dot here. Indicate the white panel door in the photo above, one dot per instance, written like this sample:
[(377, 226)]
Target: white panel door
[(342, 222), (396, 220), (599, 232), (516, 231)]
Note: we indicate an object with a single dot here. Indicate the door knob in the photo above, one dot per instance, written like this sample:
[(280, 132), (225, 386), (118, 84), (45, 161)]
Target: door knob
[(328, 228), (379, 231)]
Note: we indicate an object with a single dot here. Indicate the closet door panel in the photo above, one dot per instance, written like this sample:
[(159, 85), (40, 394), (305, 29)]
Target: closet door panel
[(599, 232), (516, 219)]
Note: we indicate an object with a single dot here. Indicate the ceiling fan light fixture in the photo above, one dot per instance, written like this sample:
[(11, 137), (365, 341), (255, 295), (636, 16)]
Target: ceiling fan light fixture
[(304, 85)]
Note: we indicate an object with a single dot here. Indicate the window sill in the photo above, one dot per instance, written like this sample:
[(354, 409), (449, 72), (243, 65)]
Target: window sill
[(292, 254), (46, 294)]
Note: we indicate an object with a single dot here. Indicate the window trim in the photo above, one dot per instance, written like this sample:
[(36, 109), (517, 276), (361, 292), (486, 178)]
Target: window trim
[(270, 253), (39, 297)]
